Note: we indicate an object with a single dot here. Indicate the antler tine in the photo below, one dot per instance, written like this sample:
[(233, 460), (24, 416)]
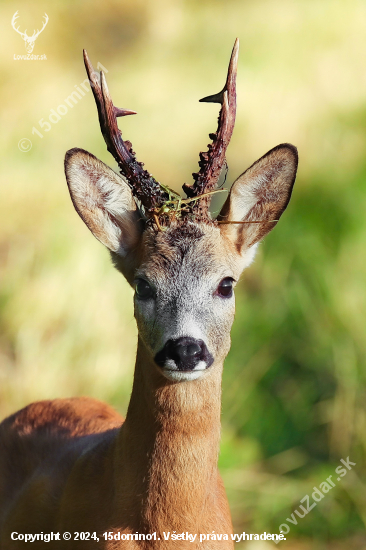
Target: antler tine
[(211, 162), (145, 188), (37, 32), (14, 19)]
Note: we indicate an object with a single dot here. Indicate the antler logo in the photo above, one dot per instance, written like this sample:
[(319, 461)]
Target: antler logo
[(29, 40)]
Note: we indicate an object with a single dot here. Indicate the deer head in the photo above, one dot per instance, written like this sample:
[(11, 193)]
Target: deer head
[(29, 40), (182, 263)]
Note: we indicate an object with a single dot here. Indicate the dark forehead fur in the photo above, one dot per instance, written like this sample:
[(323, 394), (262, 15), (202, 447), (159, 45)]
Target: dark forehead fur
[(167, 249), (181, 236)]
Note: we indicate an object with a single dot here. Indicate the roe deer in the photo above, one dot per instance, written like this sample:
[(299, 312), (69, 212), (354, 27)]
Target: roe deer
[(72, 465)]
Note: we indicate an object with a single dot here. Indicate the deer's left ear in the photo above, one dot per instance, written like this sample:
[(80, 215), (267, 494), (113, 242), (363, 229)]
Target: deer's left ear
[(259, 195)]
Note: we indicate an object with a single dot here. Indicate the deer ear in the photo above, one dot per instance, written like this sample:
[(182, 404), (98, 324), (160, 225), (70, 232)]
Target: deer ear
[(104, 201), (260, 195)]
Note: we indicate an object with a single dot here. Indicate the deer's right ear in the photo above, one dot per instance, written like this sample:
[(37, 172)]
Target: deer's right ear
[(258, 198), (104, 201)]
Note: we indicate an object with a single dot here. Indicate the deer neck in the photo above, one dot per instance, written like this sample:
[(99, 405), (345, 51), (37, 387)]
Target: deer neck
[(168, 448)]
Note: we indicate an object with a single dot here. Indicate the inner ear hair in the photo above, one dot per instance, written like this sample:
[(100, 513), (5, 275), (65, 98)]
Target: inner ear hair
[(259, 196), (104, 201)]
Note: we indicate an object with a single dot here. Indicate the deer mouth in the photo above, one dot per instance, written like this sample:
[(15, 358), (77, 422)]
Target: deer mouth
[(184, 358)]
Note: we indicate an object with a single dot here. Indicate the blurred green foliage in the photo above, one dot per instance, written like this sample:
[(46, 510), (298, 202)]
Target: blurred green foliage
[(294, 381)]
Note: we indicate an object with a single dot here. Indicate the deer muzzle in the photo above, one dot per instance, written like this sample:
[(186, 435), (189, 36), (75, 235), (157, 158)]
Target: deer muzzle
[(184, 355)]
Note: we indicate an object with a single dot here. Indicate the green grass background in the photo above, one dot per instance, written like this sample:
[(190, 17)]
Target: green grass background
[(294, 381)]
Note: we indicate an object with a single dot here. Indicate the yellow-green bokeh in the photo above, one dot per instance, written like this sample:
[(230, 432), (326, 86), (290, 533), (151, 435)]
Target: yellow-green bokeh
[(294, 382)]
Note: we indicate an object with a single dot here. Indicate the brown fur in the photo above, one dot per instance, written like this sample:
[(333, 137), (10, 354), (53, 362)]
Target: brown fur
[(141, 477)]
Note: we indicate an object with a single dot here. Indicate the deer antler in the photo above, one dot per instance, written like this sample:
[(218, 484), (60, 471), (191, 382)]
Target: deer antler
[(145, 188), (37, 33), (15, 17), (211, 162)]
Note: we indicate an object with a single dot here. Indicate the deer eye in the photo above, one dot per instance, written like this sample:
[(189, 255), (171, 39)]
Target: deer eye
[(143, 289), (225, 288)]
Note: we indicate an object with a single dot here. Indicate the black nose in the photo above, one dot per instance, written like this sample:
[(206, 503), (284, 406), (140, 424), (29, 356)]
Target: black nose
[(185, 352)]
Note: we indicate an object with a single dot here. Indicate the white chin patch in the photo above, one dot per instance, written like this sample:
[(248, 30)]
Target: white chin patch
[(171, 372)]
